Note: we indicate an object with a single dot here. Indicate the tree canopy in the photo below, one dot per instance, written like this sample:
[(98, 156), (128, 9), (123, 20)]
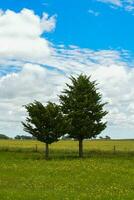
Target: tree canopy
[(44, 122), (81, 103)]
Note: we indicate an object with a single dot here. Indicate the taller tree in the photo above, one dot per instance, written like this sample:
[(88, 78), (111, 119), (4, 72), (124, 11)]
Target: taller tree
[(81, 104)]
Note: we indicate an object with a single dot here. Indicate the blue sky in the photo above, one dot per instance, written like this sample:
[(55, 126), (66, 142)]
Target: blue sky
[(112, 28), (44, 42)]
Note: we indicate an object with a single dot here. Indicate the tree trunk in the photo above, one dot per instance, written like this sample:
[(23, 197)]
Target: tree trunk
[(47, 151), (80, 148)]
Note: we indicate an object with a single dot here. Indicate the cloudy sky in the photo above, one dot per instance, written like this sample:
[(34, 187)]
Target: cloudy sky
[(43, 42)]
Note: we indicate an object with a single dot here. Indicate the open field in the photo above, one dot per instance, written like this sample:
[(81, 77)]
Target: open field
[(102, 175), (99, 145)]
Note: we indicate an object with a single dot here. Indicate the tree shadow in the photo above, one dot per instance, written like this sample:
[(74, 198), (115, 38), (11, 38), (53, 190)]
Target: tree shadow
[(66, 154)]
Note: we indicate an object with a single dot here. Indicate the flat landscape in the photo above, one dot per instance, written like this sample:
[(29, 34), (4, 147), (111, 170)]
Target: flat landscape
[(105, 173)]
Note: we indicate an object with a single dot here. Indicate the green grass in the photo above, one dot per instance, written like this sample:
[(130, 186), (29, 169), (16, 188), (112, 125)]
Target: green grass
[(101, 175), (101, 145)]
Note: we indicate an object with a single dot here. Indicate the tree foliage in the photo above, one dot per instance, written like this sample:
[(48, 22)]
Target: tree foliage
[(81, 103), (44, 122)]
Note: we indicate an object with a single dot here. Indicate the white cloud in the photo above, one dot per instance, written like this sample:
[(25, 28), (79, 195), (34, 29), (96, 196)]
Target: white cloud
[(20, 35), (39, 71), (17, 89), (25, 23), (31, 82), (92, 12), (114, 2), (127, 5), (129, 8), (48, 24)]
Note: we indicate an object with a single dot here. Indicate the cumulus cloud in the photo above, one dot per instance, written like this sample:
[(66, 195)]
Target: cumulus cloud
[(40, 71), (33, 82), (20, 35)]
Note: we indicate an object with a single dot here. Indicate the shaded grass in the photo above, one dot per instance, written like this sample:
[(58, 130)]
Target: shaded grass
[(70, 154)]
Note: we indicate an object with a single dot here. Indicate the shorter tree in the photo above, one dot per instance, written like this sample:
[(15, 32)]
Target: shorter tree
[(82, 106), (44, 122)]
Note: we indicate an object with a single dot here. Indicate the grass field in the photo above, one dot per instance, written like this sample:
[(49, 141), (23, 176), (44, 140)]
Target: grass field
[(104, 174)]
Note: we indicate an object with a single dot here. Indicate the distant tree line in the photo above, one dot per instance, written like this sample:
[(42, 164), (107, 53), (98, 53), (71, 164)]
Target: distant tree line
[(17, 137), (105, 138), (24, 137), (4, 137)]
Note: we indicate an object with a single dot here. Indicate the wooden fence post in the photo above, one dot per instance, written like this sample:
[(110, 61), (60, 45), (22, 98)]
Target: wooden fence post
[(114, 148), (36, 148)]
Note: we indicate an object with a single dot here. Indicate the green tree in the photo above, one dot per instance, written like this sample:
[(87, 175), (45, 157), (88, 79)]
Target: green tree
[(44, 122), (4, 137), (23, 137), (81, 104)]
